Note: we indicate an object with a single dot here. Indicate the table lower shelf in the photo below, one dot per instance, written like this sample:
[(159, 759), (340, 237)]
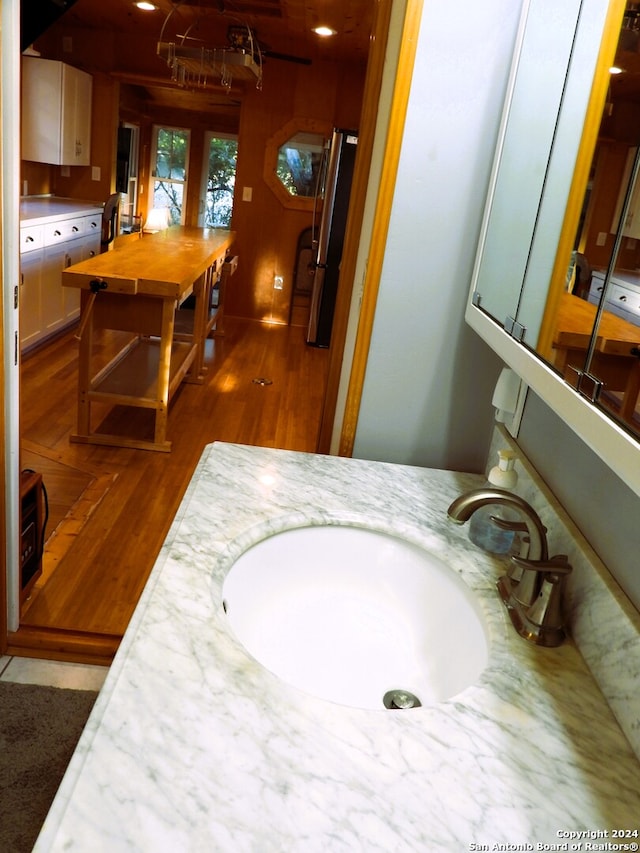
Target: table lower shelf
[(132, 378)]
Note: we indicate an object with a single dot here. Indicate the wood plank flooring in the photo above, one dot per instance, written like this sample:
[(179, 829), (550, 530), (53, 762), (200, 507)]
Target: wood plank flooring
[(100, 552)]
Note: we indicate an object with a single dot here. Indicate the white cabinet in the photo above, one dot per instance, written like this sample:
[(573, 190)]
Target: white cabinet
[(30, 296), (46, 307), (56, 113), (623, 294)]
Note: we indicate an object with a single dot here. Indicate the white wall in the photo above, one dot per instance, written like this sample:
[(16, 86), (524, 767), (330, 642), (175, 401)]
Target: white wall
[(429, 378)]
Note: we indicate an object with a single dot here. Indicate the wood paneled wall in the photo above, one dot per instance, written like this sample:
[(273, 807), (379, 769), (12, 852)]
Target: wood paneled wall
[(267, 232)]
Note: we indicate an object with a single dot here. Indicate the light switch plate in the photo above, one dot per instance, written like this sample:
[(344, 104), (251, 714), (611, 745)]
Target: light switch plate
[(247, 193), (95, 173)]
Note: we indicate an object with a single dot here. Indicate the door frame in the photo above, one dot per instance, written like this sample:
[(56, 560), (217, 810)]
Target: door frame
[(9, 366), (353, 246)]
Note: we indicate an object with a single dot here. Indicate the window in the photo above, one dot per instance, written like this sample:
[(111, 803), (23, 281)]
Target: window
[(170, 156), (218, 180)]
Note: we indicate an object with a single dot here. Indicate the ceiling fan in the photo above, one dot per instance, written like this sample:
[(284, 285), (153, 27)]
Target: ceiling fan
[(241, 36)]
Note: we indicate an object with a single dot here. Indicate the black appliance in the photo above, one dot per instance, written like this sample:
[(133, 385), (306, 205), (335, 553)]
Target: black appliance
[(36, 16), (34, 513), (329, 237), (123, 154)]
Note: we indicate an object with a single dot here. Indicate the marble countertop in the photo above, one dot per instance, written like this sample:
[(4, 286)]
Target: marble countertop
[(37, 210), (193, 746)]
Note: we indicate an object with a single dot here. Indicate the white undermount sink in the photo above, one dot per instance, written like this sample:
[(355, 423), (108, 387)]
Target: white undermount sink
[(354, 615)]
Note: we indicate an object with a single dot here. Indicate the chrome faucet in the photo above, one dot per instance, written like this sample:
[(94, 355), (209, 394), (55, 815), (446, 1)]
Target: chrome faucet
[(532, 588), (464, 506)]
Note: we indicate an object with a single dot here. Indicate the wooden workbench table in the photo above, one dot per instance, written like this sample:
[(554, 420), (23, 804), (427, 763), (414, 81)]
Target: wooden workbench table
[(614, 361), (137, 288)]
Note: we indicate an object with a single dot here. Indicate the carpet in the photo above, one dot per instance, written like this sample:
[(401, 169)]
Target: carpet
[(39, 730)]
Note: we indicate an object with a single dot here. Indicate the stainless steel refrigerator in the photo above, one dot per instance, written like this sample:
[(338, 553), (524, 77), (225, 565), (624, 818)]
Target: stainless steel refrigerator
[(328, 234)]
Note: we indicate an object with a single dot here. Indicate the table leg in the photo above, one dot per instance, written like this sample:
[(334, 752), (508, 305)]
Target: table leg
[(164, 371), (84, 363), (201, 290), (631, 391)]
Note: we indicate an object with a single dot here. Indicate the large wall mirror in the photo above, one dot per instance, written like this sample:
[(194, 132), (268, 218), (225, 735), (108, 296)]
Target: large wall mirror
[(556, 287)]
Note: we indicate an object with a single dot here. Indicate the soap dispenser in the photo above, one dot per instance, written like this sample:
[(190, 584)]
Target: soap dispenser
[(483, 531)]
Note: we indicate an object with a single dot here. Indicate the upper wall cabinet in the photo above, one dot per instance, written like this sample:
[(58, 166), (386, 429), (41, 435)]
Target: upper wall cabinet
[(56, 113)]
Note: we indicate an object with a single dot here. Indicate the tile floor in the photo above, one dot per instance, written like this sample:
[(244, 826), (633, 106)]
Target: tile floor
[(74, 676)]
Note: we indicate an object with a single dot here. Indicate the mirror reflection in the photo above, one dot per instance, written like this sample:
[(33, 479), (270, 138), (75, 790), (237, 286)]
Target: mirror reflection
[(596, 337), (559, 266), (299, 163), (536, 95)]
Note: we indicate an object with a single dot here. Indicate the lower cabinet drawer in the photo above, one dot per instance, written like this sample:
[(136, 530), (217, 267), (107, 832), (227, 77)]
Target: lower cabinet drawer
[(625, 299), (65, 229), (31, 238)]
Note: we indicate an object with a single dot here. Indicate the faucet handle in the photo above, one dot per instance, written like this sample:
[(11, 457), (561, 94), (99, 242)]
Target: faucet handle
[(505, 524), (525, 577), (545, 614), (558, 565)]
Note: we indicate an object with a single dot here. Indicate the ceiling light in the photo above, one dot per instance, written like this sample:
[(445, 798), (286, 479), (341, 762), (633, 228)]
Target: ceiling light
[(615, 69), (146, 7), (324, 31)]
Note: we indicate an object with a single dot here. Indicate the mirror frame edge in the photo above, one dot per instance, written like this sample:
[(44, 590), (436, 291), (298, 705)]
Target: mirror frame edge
[(602, 434)]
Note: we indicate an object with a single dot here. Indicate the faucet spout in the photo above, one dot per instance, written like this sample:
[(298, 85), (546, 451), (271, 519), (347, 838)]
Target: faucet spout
[(465, 505)]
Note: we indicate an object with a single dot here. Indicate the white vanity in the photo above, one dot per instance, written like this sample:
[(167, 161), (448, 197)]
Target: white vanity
[(194, 746)]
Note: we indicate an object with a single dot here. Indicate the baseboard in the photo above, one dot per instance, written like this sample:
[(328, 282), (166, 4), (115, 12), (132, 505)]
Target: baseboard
[(63, 645)]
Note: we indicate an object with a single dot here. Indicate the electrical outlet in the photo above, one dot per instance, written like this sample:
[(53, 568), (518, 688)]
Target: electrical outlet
[(602, 238), (278, 282), (95, 173), (247, 193)]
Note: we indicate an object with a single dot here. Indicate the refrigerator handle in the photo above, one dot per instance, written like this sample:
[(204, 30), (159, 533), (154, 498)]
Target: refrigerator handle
[(319, 194)]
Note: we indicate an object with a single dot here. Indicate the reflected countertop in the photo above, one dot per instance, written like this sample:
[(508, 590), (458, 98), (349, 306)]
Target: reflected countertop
[(36, 210), (193, 746)]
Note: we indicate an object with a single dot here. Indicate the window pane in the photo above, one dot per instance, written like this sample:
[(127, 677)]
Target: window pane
[(221, 179), (172, 153), (168, 194)]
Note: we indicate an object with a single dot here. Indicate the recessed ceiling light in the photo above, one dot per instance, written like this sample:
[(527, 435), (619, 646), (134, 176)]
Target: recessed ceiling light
[(146, 7), (615, 70), (324, 31)]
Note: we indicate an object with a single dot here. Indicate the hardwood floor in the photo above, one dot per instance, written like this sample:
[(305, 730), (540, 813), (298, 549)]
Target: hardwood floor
[(112, 507)]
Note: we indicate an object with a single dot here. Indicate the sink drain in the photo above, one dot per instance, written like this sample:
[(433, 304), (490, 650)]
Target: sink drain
[(400, 700)]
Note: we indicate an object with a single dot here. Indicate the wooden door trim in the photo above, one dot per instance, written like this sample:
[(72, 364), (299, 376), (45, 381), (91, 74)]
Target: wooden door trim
[(371, 284)]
